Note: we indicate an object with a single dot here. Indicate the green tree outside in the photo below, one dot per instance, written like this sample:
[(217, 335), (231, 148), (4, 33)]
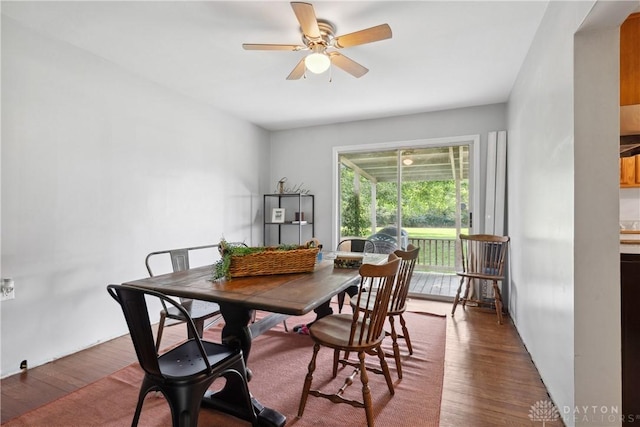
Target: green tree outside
[(427, 206)]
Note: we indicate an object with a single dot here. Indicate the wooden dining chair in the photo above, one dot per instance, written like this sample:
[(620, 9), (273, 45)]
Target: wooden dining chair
[(359, 245), (361, 332), (398, 302), (483, 258), (199, 311), (182, 374)]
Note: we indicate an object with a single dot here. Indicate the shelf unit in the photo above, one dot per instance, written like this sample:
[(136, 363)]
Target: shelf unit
[(275, 233)]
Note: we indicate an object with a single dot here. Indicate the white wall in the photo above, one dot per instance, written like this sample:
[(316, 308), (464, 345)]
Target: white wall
[(630, 204), (597, 241), (100, 167), (314, 145), (563, 208)]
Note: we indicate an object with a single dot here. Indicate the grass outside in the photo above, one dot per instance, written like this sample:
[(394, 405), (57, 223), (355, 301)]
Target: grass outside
[(433, 233)]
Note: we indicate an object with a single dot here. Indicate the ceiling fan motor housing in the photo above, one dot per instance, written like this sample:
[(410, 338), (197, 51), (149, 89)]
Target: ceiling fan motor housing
[(327, 33)]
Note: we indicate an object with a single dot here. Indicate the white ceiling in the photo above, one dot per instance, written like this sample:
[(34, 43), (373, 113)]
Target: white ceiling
[(442, 55)]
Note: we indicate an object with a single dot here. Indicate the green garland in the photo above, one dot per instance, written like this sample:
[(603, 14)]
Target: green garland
[(221, 267)]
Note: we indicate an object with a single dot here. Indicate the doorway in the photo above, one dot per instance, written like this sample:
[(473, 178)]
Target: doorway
[(420, 193)]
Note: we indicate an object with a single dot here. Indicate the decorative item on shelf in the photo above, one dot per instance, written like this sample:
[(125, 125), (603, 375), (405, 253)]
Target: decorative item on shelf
[(242, 261), (348, 261), (277, 215), (281, 184), (299, 218), (297, 189)]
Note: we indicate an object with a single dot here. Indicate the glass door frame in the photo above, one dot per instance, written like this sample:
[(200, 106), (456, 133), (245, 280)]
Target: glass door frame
[(474, 173)]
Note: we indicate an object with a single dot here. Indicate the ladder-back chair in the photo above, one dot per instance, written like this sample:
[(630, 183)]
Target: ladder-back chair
[(398, 302), (361, 332), (483, 258)]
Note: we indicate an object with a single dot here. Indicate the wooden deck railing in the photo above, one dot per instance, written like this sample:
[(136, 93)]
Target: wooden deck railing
[(435, 254)]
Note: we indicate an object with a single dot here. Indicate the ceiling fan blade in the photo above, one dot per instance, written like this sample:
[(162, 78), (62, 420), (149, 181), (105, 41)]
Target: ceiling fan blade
[(254, 46), (373, 34), (348, 65), (307, 18), (297, 72)]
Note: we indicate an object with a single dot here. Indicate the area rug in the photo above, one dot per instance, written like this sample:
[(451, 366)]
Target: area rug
[(279, 363)]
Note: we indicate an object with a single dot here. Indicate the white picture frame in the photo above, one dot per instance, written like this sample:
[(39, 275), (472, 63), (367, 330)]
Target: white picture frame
[(277, 215)]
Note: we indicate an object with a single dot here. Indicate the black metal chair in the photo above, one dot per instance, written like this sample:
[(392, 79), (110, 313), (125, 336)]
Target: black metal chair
[(199, 311), (184, 373), (356, 245)]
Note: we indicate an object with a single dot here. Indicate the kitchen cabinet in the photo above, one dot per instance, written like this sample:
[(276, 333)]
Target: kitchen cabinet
[(288, 218), (630, 295), (630, 101), (630, 171), (630, 60)]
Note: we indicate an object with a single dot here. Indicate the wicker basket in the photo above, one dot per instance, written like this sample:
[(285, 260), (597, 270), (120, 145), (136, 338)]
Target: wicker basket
[(274, 261)]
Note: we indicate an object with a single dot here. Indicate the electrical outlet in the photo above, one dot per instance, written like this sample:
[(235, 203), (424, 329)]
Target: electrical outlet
[(7, 289)]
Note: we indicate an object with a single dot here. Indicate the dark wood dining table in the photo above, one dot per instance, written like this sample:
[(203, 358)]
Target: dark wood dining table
[(283, 295)]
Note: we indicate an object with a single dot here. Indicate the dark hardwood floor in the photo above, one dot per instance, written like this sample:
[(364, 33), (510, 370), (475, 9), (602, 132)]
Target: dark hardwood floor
[(489, 377)]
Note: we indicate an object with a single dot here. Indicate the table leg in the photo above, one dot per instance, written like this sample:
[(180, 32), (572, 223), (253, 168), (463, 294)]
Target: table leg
[(199, 328), (236, 333)]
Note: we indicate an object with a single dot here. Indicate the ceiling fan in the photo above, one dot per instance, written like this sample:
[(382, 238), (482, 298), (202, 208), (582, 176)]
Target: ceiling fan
[(318, 36)]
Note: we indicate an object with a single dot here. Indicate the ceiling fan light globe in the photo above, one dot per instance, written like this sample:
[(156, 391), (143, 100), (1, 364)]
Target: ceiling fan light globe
[(317, 63)]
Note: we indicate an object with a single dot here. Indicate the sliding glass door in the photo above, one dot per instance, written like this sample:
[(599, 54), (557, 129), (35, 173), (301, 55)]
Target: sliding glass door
[(417, 195)]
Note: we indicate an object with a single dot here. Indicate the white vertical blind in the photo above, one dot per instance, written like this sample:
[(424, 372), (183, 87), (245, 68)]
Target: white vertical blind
[(495, 182), (501, 183), (495, 195), (490, 187)]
